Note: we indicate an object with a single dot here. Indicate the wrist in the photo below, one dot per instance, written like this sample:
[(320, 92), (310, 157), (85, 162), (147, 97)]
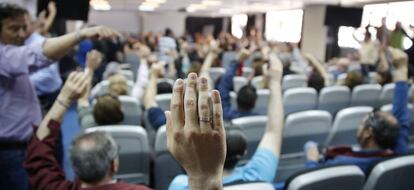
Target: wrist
[(63, 100), (208, 182)]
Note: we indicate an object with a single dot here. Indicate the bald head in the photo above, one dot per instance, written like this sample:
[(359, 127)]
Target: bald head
[(384, 127)]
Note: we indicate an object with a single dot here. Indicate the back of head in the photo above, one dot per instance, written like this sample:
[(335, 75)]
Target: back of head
[(384, 77), (385, 129), (246, 98), (118, 85), (316, 81), (164, 88), (236, 143), (91, 156), (258, 66), (353, 79), (9, 10), (168, 32), (107, 110)]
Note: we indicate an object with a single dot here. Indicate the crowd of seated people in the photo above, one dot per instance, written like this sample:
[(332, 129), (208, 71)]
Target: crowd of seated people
[(197, 137)]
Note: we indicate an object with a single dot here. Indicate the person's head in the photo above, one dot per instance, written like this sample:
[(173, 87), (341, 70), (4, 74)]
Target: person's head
[(12, 24), (378, 130), (195, 67), (398, 25), (164, 88), (94, 157), (316, 81), (236, 143), (384, 77), (246, 98), (353, 79), (258, 66), (108, 110), (168, 32), (118, 85)]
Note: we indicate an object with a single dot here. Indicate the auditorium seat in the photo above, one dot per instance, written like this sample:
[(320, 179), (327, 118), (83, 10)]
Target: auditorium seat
[(386, 95), (134, 152), (129, 75), (131, 109), (165, 166), (294, 81), (247, 72), (345, 125), (334, 98), (239, 82), (366, 95), (336, 177), (216, 73), (253, 127), (227, 58), (299, 99), (258, 82), (163, 101), (396, 173), (305, 126), (262, 102)]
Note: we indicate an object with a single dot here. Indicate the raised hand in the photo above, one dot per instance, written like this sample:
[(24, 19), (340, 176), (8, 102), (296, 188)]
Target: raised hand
[(196, 136), (94, 59), (74, 87)]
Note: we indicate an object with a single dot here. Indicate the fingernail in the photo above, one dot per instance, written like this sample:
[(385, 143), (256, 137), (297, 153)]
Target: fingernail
[(179, 81), (203, 80), (193, 76)]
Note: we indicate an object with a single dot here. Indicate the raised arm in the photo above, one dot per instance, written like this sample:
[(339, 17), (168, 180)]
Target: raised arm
[(40, 162), (55, 48), (319, 68), (400, 99), (51, 7), (151, 91), (225, 86), (93, 61), (272, 138)]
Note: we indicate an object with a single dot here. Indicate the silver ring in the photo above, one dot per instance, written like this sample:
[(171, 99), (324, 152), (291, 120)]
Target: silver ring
[(207, 120)]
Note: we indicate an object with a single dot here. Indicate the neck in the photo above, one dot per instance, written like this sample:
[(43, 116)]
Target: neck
[(370, 146), (105, 181)]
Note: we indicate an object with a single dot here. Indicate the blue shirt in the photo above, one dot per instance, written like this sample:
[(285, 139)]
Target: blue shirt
[(262, 167), (401, 113), (46, 80), (19, 106), (224, 87), (156, 117)]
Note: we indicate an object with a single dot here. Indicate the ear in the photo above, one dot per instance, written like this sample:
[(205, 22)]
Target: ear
[(114, 166)]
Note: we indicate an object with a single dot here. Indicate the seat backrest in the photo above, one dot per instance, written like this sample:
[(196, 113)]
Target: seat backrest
[(301, 127), (346, 124), (216, 73), (134, 61), (334, 98), (372, 77), (386, 95), (134, 153), (163, 101), (249, 186), (227, 58), (338, 178), (104, 85), (366, 95), (299, 99), (128, 74), (258, 82), (253, 127), (238, 83), (262, 102), (165, 167), (131, 109), (233, 97), (395, 173), (294, 81), (247, 72)]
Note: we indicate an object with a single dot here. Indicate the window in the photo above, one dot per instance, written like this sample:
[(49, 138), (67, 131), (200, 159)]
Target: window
[(238, 22), (284, 26)]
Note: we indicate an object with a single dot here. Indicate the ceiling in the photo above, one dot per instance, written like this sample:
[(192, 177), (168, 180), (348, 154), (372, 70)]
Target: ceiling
[(233, 6)]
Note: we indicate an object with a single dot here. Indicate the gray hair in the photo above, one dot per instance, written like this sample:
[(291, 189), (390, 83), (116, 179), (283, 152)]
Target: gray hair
[(91, 155)]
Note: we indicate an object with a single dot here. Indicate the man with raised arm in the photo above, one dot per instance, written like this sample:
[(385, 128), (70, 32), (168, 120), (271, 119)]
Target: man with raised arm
[(183, 124), (19, 106)]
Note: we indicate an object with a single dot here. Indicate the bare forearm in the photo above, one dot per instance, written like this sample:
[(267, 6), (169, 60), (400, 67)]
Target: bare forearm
[(56, 48), (151, 92), (207, 64), (55, 113)]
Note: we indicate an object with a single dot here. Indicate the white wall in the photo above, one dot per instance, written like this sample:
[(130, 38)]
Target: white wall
[(157, 22), (314, 32), (125, 21)]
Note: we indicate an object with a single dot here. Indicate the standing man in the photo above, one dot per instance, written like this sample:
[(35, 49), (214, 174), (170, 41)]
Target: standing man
[(19, 106)]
